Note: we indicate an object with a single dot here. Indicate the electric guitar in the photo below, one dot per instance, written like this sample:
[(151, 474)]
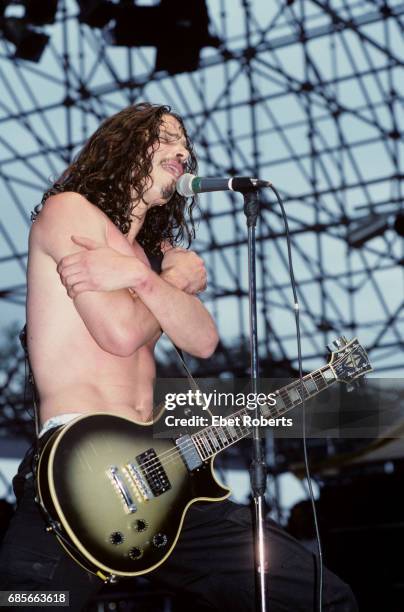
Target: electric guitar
[(115, 496)]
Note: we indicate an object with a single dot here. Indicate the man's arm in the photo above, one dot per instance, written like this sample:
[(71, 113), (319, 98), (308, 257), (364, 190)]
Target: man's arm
[(119, 323)]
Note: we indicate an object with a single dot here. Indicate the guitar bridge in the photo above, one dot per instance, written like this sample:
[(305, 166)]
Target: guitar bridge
[(120, 487), (154, 472)]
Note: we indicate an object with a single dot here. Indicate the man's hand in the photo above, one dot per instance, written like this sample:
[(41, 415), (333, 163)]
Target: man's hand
[(184, 269), (98, 268)]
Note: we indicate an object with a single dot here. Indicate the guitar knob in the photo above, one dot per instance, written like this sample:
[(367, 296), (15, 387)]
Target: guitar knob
[(160, 540), (140, 525), (116, 537), (135, 553)]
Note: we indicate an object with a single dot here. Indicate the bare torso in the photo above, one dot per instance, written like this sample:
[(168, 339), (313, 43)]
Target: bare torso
[(72, 372)]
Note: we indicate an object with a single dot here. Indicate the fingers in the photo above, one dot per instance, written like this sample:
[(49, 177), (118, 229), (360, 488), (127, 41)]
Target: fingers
[(166, 246), (75, 282), (69, 260), (66, 271), (87, 243), (70, 277), (204, 284), (74, 290)]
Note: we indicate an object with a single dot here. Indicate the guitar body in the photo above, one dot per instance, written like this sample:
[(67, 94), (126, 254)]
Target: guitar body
[(118, 493), (115, 492)]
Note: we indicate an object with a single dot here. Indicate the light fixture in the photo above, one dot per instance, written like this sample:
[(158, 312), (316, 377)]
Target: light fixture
[(399, 224), (25, 32), (40, 13), (364, 229), (29, 44), (184, 33), (179, 29), (96, 13)]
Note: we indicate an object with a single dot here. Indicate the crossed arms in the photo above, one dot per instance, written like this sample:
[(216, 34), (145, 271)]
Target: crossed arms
[(122, 302)]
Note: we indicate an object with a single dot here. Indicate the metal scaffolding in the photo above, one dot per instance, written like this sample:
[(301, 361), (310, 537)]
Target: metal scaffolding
[(306, 93)]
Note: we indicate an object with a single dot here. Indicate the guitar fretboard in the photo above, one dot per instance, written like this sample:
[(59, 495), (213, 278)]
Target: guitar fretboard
[(213, 439)]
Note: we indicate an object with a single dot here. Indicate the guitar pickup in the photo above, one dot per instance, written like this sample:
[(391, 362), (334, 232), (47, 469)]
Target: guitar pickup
[(152, 469)]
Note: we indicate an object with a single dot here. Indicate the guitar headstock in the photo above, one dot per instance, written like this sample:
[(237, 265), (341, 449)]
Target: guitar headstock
[(349, 359)]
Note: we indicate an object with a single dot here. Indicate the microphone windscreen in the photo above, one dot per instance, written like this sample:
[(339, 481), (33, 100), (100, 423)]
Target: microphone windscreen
[(184, 185)]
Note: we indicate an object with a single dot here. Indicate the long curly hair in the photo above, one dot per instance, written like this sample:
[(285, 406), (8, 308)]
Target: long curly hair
[(117, 161)]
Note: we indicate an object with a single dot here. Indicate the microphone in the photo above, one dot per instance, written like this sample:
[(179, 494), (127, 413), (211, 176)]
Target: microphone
[(189, 185)]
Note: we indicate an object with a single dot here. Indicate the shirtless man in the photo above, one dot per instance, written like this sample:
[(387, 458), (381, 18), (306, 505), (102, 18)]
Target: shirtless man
[(95, 311), (90, 320)]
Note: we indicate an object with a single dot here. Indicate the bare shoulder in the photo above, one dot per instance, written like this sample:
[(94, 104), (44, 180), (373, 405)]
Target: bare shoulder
[(68, 205), (62, 216)]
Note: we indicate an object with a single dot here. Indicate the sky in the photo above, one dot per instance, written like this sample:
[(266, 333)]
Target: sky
[(353, 166)]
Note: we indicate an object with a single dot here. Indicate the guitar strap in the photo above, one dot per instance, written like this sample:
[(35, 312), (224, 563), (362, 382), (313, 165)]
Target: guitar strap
[(193, 384), (31, 380)]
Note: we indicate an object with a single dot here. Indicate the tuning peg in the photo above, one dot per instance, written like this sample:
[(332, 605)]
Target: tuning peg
[(335, 344), (338, 343)]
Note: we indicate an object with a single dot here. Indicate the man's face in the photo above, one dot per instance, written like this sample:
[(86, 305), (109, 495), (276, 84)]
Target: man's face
[(169, 160)]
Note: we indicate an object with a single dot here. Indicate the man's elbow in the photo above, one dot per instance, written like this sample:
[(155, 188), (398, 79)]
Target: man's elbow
[(121, 344), (208, 346), (117, 348)]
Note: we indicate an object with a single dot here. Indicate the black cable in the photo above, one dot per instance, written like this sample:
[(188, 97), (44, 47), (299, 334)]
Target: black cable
[(28, 376), (299, 357)]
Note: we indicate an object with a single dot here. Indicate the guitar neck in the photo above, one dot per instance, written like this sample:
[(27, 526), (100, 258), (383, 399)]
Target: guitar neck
[(213, 439)]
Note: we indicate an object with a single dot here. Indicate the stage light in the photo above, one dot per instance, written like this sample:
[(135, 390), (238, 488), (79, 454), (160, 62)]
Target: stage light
[(399, 224), (179, 29), (96, 13), (135, 26), (184, 32), (40, 13), (29, 44), (364, 229)]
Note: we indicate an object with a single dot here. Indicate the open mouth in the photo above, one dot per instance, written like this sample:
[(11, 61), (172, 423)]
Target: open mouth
[(174, 168)]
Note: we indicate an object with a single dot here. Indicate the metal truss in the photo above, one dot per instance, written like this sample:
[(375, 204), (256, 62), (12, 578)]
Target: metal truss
[(305, 93)]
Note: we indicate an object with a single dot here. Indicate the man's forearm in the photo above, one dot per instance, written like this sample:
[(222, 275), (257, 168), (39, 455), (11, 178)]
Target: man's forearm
[(121, 323), (181, 316), (118, 323)]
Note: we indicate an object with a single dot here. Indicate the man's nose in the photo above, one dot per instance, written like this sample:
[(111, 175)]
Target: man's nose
[(181, 153), (182, 156)]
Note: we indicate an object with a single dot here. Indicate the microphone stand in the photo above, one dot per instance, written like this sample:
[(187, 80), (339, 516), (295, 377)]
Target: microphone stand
[(258, 470)]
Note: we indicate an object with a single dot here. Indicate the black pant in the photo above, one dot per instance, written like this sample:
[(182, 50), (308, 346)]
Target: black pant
[(212, 562)]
